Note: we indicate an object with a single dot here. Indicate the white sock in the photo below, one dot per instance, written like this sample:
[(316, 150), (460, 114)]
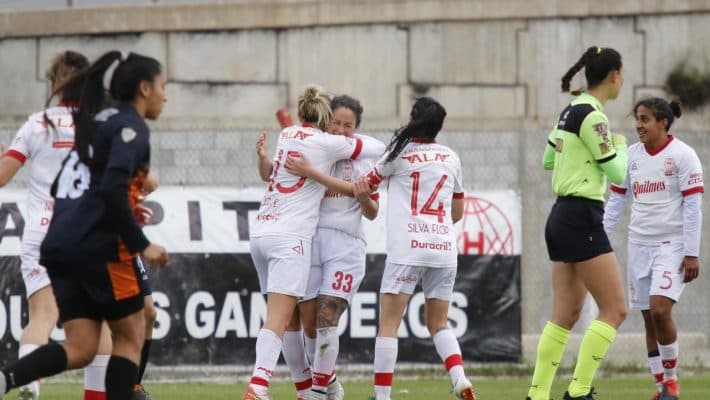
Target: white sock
[(448, 348), (328, 345), (24, 350), (95, 373), (268, 349), (656, 366), (295, 356), (669, 358), (385, 360), (310, 349)]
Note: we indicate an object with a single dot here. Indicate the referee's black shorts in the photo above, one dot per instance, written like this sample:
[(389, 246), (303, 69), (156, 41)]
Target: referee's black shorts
[(574, 231)]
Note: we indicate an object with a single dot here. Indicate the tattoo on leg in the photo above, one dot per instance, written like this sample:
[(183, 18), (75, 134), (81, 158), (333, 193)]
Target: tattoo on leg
[(329, 310)]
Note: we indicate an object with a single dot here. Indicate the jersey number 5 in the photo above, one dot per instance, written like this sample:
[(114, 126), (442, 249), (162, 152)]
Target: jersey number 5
[(73, 179), (427, 207)]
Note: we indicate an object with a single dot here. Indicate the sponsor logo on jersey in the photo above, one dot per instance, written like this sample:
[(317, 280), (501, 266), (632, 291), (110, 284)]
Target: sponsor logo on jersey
[(647, 187), (298, 248), (696, 177), (426, 157), (298, 135), (416, 244)]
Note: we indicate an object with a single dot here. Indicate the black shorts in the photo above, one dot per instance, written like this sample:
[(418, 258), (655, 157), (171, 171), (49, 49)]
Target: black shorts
[(100, 292), (144, 279), (574, 231)]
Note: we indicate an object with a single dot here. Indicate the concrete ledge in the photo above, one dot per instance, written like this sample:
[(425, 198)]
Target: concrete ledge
[(281, 14)]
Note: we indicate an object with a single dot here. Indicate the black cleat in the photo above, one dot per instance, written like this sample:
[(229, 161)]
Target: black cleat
[(588, 396)]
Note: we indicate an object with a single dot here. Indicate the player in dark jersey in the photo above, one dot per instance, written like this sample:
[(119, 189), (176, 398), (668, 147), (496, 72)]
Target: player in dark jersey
[(582, 153), (94, 237)]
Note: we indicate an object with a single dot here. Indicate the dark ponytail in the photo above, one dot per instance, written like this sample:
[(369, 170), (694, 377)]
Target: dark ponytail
[(427, 118), (661, 109), (597, 63), (127, 71)]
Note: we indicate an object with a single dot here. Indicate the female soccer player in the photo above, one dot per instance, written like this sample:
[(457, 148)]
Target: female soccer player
[(582, 153), (45, 146), (286, 223), (665, 182), (92, 242), (338, 265), (424, 189)]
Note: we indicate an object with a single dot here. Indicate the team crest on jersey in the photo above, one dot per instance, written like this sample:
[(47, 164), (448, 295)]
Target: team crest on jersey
[(668, 166), (128, 134), (633, 166), (347, 170)]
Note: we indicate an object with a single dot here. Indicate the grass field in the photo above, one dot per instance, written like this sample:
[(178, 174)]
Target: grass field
[(625, 388)]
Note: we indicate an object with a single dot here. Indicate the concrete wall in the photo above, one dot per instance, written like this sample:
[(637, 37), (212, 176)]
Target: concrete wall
[(496, 66)]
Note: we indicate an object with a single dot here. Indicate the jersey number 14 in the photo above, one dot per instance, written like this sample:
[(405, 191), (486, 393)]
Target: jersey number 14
[(427, 207)]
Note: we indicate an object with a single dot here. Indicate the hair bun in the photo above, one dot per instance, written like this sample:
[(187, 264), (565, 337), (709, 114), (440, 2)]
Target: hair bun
[(312, 92), (675, 107)]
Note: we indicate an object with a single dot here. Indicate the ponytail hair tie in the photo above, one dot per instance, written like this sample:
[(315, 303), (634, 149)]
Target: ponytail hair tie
[(108, 75), (599, 50)]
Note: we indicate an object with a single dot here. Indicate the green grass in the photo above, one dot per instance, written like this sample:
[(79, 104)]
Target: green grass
[(624, 388)]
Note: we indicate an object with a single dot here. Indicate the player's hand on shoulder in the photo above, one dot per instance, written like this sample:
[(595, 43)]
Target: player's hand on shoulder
[(298, 165), (156, 255), (362, 189), (690, 268)]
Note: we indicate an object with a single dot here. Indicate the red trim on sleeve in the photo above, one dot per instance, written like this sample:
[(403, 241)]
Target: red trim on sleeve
[(374, 178), (375, 196), (358, 149), (617, 189), (16, 155), (459, 195), (697, 189)]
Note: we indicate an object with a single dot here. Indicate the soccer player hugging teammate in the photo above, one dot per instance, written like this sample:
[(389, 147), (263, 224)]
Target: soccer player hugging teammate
[(338, 255), (93, 239), (665, 182), (425, 199), (286, 223), (582, 153)]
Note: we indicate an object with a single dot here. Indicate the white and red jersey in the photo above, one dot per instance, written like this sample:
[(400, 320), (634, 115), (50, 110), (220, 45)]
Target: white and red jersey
[(46, 148), (341, 212), (423, 180), (291, 204), (658, 181)]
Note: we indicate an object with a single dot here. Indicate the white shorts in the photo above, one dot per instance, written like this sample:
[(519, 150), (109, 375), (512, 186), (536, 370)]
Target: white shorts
[(281, 263), (437, 283), (34, 275), (654, 271), (337, 266)]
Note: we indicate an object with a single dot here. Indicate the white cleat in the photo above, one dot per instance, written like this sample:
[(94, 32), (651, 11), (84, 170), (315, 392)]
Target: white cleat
[(29, 391), (336, 391), (464, 390)]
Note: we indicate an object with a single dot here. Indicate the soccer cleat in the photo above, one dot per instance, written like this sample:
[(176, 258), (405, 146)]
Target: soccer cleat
[(139, 393), (656, 395), (28, 392), (588, 396), (252, 395), (336, 391), (671, 390), (464, 390)]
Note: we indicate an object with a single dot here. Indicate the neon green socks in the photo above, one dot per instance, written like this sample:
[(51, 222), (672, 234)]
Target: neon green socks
[(549, 354), (594, 347)]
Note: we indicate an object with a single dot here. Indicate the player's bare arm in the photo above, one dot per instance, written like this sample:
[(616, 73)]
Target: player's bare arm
[(263, 163), (456, 210), (8, 167), (300, 166), (363, 193)]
